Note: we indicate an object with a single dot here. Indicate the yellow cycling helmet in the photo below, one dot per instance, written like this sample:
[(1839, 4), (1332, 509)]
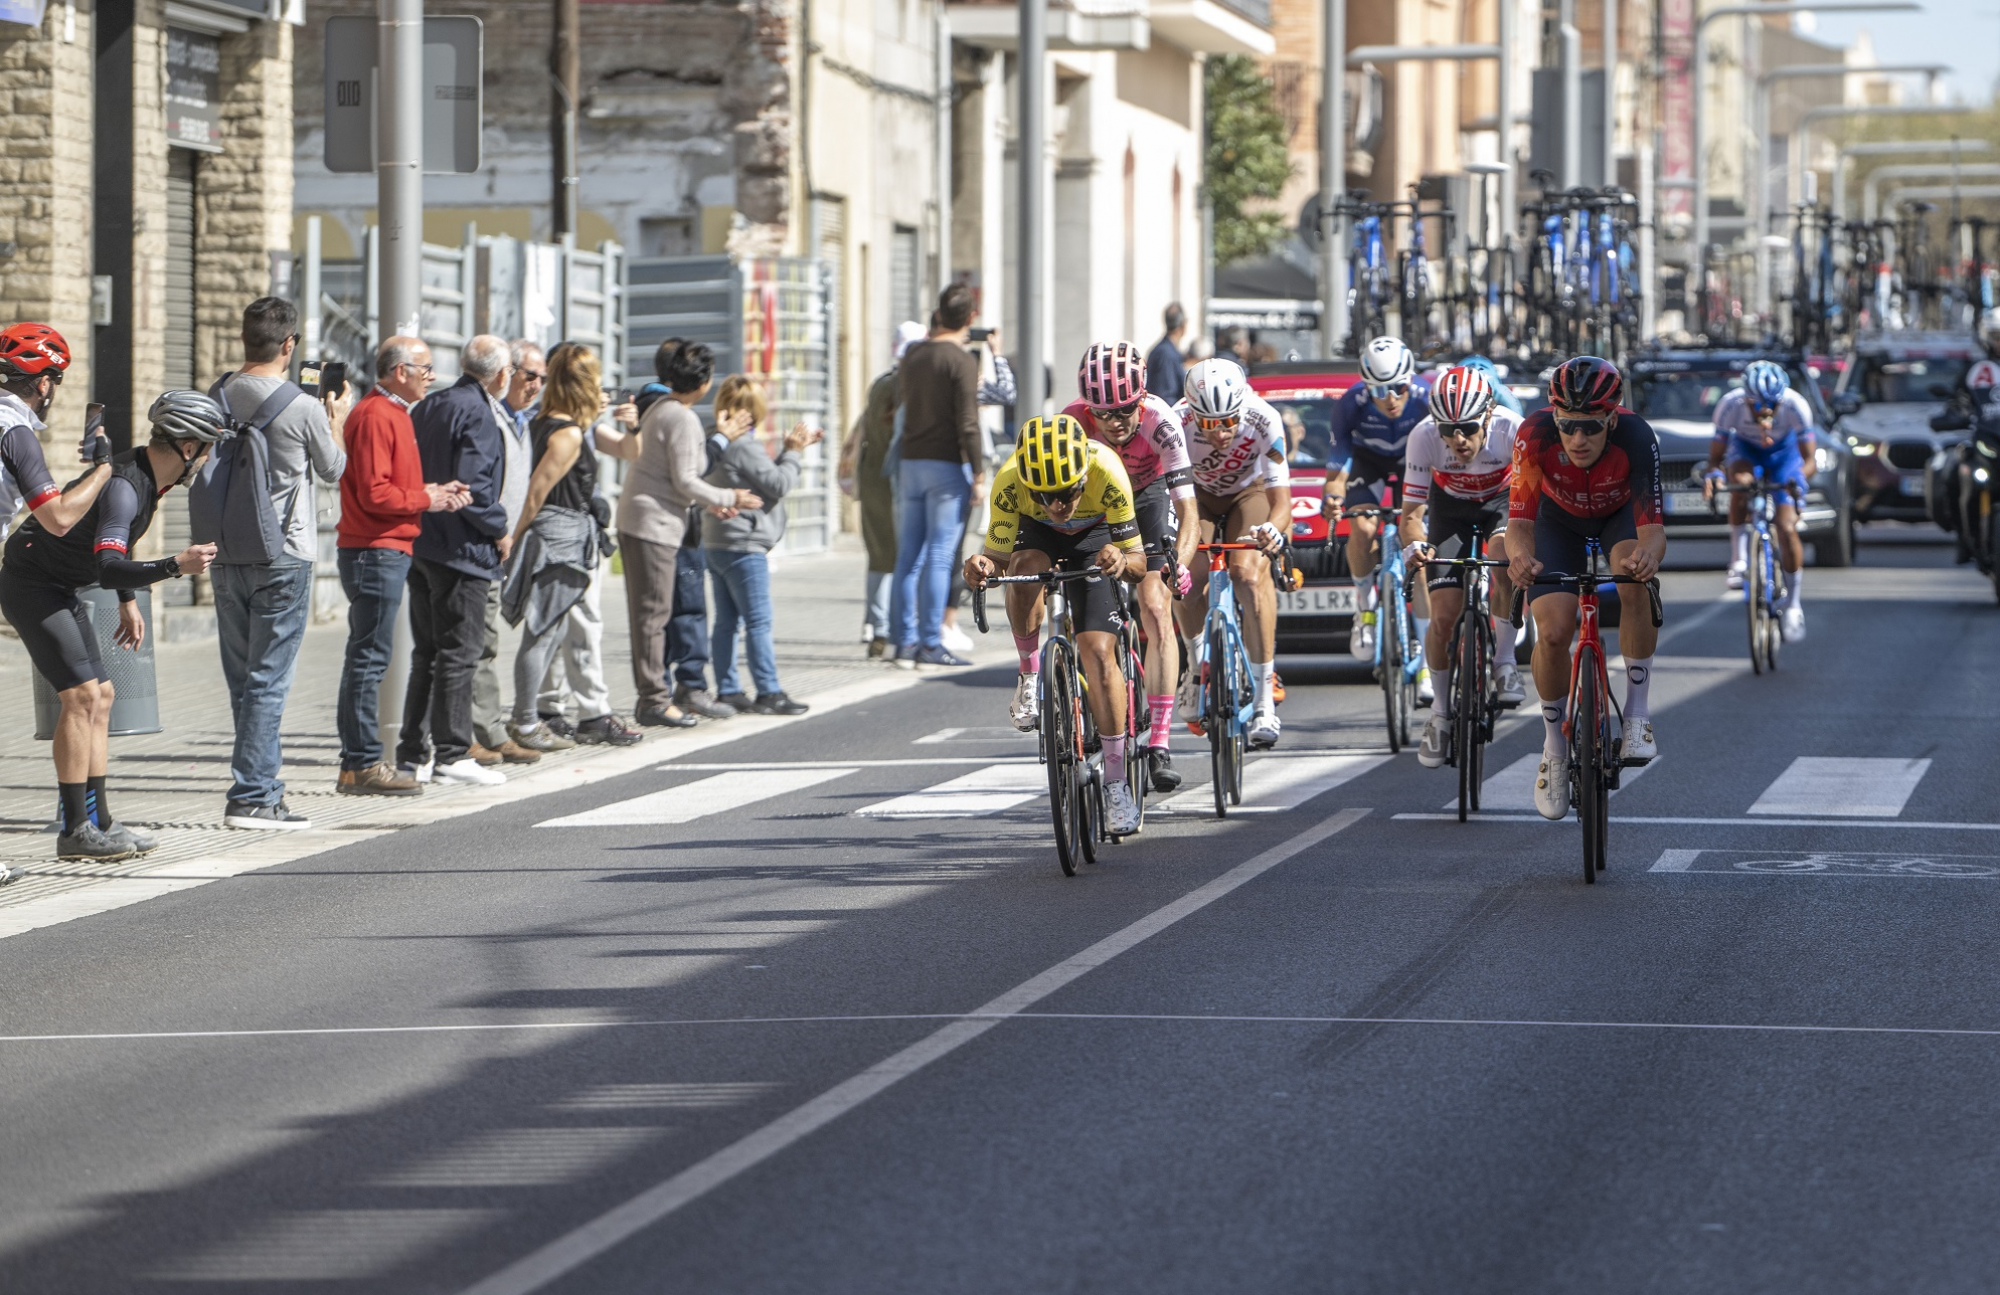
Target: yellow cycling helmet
[(1053, 453)]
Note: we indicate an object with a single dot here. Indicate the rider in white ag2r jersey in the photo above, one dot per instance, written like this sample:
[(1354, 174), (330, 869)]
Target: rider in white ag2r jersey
[(1242, 489)]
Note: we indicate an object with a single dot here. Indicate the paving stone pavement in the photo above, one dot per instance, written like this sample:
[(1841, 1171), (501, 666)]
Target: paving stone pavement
[(174, 781)]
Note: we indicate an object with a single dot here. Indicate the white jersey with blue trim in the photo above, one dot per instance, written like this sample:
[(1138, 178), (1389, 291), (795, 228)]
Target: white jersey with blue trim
[(1733, 418)]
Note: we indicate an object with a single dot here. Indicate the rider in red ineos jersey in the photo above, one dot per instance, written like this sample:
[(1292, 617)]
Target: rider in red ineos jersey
[(1585, 468)]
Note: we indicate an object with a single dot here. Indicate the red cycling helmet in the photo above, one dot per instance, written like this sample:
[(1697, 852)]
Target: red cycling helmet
[(1586, 387), (1111, 376), (1461, 395), (30, 350)]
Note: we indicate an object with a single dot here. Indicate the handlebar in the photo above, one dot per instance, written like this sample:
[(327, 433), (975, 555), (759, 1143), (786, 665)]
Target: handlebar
[(1563, 578), (1284, 576), (1052, 576)]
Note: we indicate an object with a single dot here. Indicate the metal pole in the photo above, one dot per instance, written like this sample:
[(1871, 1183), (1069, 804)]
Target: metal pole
[(1572, 74), (399, 166), (564, 74), (1649, 300), (1505, 110), (1033, 374), (1610, 92), (942, 29), (309, 310), (1871, 188), (1760, 195), (1333, 174)]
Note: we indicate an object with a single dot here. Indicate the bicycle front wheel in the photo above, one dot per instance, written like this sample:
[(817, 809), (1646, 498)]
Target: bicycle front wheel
[(1221, 717), (1062, 710), (1239, 737), (1389, 626), (1469, 703), (1753, 591), (1591, 792)]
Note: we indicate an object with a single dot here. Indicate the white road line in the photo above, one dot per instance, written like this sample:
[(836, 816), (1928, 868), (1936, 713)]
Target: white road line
[(970, 795), (700, 798), (1843, 787), (567, 1253), (1271, 786), (1188, 748), (1675, 861), (992, 734), (1513, 788), (1665, 820)]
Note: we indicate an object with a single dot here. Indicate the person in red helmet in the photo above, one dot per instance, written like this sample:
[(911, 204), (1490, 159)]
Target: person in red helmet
[(33, 358), (1586, 468)]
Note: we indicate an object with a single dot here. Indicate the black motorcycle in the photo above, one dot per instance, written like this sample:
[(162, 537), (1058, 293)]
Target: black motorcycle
[(1961, 487)]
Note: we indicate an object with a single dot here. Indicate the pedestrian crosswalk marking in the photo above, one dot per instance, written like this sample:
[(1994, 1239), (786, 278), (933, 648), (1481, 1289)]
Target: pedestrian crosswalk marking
[(1843, 787), (699, 799), (971, 795), (1273, 785)]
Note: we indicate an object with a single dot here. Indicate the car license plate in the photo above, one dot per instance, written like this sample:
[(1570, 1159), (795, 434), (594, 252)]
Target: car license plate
[(1913, 486), (1317, 600), (1686, 503)]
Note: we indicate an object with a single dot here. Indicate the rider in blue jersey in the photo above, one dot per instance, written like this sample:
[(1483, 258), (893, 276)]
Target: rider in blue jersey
[(1372, 422), (1503, 396), (1765, 425)]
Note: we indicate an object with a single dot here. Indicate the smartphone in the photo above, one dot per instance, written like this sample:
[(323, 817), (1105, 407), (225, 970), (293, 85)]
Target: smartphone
[(978, 334), (617, 395), (322, 378)]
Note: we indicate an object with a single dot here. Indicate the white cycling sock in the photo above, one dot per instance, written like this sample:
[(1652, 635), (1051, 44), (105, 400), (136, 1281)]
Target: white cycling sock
[(1263, 671), (1793, 579), (1553, 744), (1423, 629), (1441, 682), (1503, 641), (1638, 677), (1364, 595), (1114, 758), (1739, 545)]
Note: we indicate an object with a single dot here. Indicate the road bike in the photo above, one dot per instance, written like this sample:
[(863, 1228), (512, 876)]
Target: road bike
[(1595, 723), (1764, 580), (1367, 267), (1399, 656), (1474, 705), (1228, 696), (1069, 740)]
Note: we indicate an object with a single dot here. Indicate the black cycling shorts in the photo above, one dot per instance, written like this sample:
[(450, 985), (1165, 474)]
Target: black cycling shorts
[(1560, 536), (1093, 602), (1159, 524), (1449, 523), (55, 627), (1368, 475)]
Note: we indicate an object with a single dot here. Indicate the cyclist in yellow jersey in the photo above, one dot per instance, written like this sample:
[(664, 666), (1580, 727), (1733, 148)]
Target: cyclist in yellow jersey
[(1063, 501)]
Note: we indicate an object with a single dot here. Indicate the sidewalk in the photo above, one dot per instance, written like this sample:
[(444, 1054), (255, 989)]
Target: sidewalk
[(174, 781)]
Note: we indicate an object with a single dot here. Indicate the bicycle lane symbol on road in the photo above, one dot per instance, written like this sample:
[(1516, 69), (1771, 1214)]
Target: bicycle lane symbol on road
[(1830, 863)]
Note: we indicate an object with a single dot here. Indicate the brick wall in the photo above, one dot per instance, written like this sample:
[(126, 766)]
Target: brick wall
[(45, 200)]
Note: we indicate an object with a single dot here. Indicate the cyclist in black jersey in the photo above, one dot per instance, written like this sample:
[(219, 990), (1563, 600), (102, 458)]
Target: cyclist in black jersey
[(38, 595), (33, 359)]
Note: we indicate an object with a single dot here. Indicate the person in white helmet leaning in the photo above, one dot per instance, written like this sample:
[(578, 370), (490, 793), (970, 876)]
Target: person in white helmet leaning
[(1242, 489), (1372, 422)]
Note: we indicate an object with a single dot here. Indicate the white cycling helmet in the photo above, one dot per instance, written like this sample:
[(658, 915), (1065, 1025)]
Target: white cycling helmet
[(1217, 389), (1386, 362)]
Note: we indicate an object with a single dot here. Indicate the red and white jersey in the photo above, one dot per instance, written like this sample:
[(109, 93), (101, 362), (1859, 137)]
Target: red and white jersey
[(1157, 449), (1254, 455), (1486, 477)]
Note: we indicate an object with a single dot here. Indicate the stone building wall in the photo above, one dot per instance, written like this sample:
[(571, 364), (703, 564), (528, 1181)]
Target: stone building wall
[(149, 188), (243, 198), (45, 185)]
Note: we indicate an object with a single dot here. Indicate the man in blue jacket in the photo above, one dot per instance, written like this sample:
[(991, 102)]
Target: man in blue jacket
[(457, 556)]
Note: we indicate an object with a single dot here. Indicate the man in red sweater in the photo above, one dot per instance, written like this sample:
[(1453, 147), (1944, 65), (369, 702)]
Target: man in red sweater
[(383, 497)]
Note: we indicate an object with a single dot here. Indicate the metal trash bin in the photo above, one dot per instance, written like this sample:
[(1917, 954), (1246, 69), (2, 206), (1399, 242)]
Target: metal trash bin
[(136, 708)]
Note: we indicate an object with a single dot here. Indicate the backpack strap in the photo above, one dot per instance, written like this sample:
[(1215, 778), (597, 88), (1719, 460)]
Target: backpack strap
[(274, 404)]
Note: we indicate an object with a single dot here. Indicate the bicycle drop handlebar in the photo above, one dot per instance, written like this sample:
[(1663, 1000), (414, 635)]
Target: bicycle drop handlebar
[(1053, 576), (1575, 581), (1284, 576)]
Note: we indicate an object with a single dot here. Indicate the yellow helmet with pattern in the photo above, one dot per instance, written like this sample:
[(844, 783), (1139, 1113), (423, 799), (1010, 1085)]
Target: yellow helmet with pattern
[(1054, 453)]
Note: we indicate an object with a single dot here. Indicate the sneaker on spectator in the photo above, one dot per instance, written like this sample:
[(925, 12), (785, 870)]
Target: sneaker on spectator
[(607, 730), (777, 703), (470, 771), (542, 737), (702, 702), (141, 842), (939, 656), (558, 724), (905, 658), (955, 639), (92, 843), (486, 755), (380, 780), (277, 816), (737, 702), (417, 772), (513, 752), (663, 717), (878, 649)]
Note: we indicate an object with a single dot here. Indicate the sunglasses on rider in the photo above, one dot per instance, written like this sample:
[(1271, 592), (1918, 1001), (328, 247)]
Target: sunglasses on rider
[(1461, 431), (1583, 426), (1383, 390), (1221, 424), (1046, 498), (1117, 411)]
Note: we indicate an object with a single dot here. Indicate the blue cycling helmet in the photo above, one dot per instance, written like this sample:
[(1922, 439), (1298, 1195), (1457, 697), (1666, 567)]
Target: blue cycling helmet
[(1502, 396), (1764, 385)]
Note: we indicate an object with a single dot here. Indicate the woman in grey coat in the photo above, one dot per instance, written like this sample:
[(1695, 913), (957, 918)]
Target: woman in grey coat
[(739, 541)]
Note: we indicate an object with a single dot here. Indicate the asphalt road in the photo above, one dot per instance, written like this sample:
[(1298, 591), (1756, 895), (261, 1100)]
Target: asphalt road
[(789, 1027)]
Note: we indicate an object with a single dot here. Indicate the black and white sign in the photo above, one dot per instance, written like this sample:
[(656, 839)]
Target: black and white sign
[(453, 49), (194, 90)]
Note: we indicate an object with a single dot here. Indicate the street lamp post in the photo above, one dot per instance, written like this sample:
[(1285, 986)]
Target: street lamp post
[(399, 164), (1892, 148), (1332, 174), (1033, 159)]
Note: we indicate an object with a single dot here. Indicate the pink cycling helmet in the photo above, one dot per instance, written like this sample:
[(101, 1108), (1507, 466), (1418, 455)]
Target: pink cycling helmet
[(1111, 376)]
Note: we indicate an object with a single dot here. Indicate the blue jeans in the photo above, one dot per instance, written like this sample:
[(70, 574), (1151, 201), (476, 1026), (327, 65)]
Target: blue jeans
[(373, 580), (260, 621), (687, 628), (930, 520), (875, 619), (743, 591)]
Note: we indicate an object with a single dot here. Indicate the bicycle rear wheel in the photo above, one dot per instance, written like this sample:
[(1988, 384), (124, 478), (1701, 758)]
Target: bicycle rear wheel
[(1753, 600), (1591, 793), (1061, 749), (1221, 717), (1389, 626)]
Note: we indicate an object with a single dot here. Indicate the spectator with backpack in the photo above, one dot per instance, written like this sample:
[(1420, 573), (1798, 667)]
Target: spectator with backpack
[(255, 498)]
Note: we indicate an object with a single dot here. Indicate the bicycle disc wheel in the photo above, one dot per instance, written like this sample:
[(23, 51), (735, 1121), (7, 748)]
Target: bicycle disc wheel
[(1221, 717), (1059, 749), (1753, 590), (1590, 790)]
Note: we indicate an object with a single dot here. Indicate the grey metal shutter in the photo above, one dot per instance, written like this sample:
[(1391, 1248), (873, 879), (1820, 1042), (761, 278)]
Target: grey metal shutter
[(904, 289), (178, 342)]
